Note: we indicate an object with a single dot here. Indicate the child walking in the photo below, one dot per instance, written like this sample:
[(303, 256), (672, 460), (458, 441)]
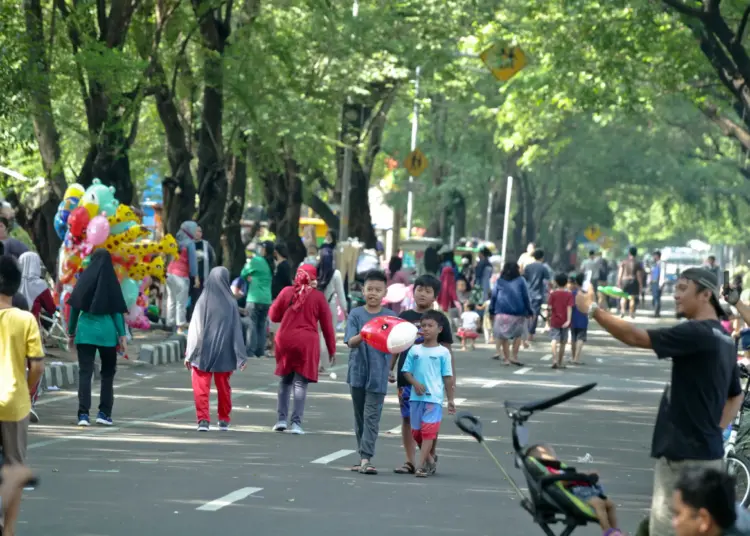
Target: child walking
[(367, 375), (560, 305), (579, 323), (428, 370), (426, 290), (215, 347)]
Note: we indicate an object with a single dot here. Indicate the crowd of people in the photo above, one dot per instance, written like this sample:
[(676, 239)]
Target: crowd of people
[(227, 321)]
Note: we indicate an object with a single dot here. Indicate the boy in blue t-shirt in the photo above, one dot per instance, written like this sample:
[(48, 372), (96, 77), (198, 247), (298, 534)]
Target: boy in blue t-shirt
[(579, 322), (428, 370)]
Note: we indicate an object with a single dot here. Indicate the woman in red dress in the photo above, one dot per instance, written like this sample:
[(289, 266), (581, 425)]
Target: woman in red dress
[(297, 343)]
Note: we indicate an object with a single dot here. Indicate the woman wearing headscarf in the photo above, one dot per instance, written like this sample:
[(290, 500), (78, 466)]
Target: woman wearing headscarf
[(215, 347), (299, 308), (260, 271), (180, 272), (511, 308), (39, 297), (98, 325), (331, 284)]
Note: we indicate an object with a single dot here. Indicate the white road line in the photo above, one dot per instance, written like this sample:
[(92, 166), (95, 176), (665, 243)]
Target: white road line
[(457, 401), (523, 370), (491, 384), (334, 456), (396, 430), (226, 500), (547, 357)]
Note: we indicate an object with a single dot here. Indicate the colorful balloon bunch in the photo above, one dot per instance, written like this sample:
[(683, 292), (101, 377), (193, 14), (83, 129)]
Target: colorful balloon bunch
[(93, 218)]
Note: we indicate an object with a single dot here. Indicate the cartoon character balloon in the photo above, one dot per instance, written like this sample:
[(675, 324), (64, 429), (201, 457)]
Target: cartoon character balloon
[(389, 334), (99, 198)]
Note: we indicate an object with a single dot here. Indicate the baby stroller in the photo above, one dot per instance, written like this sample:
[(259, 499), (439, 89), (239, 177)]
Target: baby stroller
[(548, 501)]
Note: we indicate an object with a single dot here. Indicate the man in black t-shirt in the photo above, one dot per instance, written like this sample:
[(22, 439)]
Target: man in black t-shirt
[(704, 394), (426, 289)]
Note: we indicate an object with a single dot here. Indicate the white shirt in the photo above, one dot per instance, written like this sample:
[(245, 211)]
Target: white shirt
[(470, 320)]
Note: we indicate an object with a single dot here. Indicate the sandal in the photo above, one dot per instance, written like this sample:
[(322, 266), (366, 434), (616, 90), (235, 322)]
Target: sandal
[(516, 363), (406, 469), (421, 473), (368, 469), (356, 468), (432, 469), (554, 365), (496, 357)]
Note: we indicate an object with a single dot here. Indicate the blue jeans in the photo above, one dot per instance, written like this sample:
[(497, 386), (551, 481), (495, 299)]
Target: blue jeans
[(258, 323), (536, 310), (656, 297)]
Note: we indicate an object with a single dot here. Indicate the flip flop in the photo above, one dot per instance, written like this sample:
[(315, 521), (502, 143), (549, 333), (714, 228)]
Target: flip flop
[(516, 363)]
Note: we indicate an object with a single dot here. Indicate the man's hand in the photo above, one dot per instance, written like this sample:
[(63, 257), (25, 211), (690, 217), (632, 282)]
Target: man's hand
[(420, 388), (188, 365), (391, 377), (332, 360), (123, 345), (584, 300), (197, 282), (566, 324), (355, 341), (243, 366), (451, 407)]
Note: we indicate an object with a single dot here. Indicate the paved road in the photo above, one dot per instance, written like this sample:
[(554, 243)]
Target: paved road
[(154, 474)]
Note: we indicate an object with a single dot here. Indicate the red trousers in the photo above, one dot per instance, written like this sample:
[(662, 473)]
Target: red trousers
[(202, 390)]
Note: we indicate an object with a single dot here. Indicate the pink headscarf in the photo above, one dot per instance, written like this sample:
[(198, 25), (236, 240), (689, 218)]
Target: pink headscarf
[(306, 274)]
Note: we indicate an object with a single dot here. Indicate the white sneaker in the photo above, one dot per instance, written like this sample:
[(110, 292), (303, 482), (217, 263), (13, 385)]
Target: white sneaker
[(297, 429), (279, 426)]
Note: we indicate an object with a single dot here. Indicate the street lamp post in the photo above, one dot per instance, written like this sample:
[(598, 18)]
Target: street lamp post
[(414, 132)]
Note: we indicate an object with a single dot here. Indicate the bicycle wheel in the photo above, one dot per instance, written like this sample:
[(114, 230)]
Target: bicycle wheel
[(739, 467)]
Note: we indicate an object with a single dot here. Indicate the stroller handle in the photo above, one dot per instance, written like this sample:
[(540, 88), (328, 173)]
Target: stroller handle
[(469, 424)]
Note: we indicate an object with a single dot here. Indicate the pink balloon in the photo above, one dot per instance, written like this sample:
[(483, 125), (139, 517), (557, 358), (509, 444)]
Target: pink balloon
[(97, 231), (134, 313)]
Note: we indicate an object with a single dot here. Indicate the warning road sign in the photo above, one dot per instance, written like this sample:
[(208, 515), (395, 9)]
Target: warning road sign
[(416, 163)]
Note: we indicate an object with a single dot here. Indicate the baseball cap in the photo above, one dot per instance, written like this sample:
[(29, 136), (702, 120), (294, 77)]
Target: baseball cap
[(709, 280)]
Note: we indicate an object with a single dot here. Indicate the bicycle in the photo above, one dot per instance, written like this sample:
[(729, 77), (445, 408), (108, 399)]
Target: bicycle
[(53, 331), (738, 465)]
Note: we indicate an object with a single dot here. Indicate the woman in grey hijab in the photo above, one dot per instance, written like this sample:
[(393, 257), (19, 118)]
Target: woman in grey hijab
[(215, 347)]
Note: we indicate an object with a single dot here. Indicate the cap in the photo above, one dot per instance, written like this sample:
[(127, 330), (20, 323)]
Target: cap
[(709, 280)]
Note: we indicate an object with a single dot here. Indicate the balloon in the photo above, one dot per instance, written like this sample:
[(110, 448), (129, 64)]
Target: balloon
[(60, 227), (166, 246), (129, 291), (74, 190), (396, 293), (114, 241), (123, 219), (99, 198), (78, 221), (97, 231), (389, 334), (133, 313), (141, 270)]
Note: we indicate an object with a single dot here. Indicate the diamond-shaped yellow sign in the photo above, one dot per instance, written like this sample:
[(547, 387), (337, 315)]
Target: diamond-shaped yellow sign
[(504, 62), (416, 163), (592, 233)]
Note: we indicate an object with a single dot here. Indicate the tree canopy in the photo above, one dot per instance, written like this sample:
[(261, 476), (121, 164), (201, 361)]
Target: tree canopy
[(631, 115)]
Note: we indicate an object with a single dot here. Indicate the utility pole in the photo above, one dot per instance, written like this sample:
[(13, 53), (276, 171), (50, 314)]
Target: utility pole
[(414, 132)]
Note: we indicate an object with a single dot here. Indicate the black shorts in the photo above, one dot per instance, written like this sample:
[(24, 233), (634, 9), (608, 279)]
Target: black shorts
[(631, 287), (578, 334)]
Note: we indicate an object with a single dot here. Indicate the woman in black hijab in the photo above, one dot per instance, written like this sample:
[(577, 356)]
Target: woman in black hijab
[(97, 321)]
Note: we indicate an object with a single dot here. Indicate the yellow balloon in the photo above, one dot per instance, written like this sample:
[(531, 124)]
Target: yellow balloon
[(114, 242), (91, 208), (74, 190), (124, 214), (165, 246), (140, 270)]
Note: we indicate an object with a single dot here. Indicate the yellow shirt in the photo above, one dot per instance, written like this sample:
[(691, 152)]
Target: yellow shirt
[(19, 339)]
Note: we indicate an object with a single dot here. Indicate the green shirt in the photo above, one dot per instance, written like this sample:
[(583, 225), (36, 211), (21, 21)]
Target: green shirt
[(100, 330), (260, 284)]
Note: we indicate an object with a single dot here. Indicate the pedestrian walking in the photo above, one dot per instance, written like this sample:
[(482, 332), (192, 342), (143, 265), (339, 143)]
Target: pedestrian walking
[(182, 273), (215, 348), (299, 309), (98, 326)]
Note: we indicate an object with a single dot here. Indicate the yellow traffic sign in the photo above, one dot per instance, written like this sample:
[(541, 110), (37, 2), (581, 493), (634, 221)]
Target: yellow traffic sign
[(416, 163), (504, 62), (592, 233)]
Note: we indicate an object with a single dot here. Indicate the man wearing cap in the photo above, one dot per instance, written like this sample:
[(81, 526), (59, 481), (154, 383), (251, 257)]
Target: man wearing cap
[(704, 393)]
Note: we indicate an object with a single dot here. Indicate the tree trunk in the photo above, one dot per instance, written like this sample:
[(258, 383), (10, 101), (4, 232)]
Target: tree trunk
[(283, 193), (212, 174), (529, 197), (459, 214), (362, 121), (517, 237), (39, 223), (231, 240)]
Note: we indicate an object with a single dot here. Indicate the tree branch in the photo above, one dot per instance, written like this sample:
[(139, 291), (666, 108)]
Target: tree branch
[(743, 24), (680, 7)]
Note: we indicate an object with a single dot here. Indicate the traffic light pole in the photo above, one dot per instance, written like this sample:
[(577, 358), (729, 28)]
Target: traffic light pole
[(414, 132)]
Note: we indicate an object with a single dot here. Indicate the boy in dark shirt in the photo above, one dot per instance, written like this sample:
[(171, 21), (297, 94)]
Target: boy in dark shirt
[(579, 323), (426, 289), (561, 312)]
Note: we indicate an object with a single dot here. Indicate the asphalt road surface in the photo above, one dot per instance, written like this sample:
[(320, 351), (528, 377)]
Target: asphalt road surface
[(153, 474)]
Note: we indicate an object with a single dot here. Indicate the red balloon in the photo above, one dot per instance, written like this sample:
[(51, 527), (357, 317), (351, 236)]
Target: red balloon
[(78, 221), (389, 334)]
